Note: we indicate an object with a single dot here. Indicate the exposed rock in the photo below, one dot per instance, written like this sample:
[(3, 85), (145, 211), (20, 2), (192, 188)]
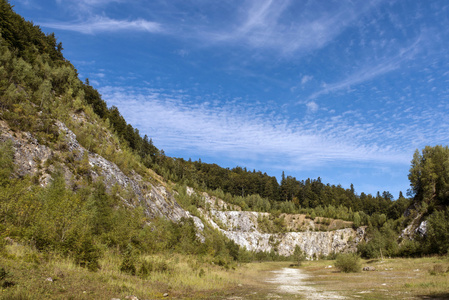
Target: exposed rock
[(242, 227), (29, 154), (413, 228), (156, 199), (369, 269), (422, 228), (30, 158)]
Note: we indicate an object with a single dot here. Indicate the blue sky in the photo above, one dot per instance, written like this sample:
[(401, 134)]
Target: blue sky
[(344, 90)]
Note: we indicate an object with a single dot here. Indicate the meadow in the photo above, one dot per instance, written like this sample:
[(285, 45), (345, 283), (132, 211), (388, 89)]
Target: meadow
[(28, 274)]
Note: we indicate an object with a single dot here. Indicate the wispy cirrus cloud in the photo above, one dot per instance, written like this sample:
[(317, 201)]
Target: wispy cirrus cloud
[(87, 5), (99, 24), (371, 71), (245, 133), (270, 24)]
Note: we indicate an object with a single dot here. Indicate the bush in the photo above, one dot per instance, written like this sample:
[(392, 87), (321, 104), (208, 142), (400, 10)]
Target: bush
[(438, 269), (298, 255), (128, 264), (348, 262)]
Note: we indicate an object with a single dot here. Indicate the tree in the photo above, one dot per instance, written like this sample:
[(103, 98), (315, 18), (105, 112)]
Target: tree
[(429, 175), (298, 255), (438, 232)]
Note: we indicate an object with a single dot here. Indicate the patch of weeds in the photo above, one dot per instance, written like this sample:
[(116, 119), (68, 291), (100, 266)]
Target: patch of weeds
[(5, 278), (202, 273), (145, 269), (438, 269)]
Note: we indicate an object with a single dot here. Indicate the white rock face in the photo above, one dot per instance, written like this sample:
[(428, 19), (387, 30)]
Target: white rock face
[(242, 228)]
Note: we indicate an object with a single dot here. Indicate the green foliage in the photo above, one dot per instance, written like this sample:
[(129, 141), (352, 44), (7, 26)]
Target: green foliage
[(357, 220), (6, 162), (348, 262), (129, 261), (5, 278), (86, 253), (429, 175), (298, 255), (410, 248), (380, 243), (437, 236)]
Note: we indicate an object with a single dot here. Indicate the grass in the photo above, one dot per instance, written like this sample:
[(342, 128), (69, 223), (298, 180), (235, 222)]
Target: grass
[(189, 277), (46, 276), (398, 278)]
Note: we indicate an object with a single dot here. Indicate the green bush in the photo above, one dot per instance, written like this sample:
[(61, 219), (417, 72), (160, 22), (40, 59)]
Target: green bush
[(348, 262), (128, 264), (299, 255)]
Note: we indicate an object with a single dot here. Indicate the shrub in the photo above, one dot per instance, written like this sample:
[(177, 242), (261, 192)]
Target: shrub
[(348, 262), (128, 264), (4, 278), (145, 269), (299, 255), (437, 269)]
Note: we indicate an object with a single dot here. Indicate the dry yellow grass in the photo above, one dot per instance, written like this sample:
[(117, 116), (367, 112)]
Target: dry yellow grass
[(189, 277), (39, 276), (397, 278)]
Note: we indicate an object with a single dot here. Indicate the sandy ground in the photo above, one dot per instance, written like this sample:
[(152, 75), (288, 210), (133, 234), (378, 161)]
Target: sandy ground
[(293, 281)]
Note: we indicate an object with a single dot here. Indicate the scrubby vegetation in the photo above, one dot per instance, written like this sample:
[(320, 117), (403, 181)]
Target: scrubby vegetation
[(348, 263)]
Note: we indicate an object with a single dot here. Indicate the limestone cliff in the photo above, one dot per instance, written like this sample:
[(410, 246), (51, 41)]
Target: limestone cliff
[(245, 229)]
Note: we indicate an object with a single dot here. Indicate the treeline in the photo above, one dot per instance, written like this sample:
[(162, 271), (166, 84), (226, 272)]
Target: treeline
[(299, 194)]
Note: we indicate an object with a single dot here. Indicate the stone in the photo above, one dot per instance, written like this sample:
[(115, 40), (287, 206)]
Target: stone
[(369, 269)]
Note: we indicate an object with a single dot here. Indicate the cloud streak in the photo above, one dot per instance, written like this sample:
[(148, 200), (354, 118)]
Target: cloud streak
[(370, 72), (263, 26), (100, 24)]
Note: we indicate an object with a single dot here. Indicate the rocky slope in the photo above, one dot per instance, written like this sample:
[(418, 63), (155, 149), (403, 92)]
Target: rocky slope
[(253, 230)]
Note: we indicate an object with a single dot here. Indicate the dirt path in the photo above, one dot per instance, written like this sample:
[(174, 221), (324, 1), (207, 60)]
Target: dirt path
[(293, 281)]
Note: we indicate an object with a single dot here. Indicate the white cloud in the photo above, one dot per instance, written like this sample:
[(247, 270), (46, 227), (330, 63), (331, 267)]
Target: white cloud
[(268, 24), (104, 24), (245, 133), (312, 106), (306, 78)]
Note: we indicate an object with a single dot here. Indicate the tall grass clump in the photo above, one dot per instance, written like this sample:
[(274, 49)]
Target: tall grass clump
[(348, 262)]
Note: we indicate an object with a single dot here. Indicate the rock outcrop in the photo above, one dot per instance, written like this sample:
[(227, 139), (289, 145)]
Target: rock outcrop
[(244, 229), (32, 158)]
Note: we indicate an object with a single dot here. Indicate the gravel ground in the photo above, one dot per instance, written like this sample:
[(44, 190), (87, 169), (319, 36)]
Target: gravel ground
[(293, 281)]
